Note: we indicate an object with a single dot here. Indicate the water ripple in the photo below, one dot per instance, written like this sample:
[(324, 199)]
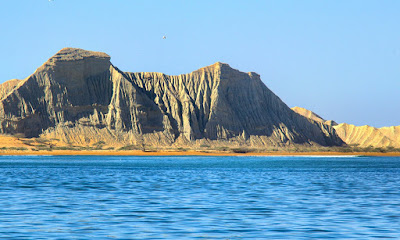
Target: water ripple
[(89, 197)]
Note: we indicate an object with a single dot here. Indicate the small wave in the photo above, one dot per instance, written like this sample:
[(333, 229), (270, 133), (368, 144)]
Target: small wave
[(328, 156), (305, 156)]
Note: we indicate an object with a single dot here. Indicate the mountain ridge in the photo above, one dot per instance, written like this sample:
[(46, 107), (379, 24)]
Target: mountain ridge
[(359, 136), (79, 97)]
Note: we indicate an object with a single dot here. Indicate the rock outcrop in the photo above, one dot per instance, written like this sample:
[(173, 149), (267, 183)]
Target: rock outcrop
[(367, 136), (79, 97), (313, 116), (361, 136), (8, 86)]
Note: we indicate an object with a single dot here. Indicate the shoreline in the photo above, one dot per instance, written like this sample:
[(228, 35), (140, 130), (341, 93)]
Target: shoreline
[(187, 153)]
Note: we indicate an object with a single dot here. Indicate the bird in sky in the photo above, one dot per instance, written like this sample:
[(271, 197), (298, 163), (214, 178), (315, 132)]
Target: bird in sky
[(164, 37)]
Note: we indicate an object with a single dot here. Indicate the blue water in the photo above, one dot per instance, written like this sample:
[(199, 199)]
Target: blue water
[(91, 197)]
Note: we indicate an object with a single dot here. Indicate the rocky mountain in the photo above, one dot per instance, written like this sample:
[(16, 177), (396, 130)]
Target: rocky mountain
[(8, 86), (362, 136), (365, 136), (79, 97), (313, 116)]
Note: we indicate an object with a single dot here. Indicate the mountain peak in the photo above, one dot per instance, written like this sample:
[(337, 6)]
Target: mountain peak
[(69, 61), (220, 64), (308, 114), (72, 54), (217, 65)]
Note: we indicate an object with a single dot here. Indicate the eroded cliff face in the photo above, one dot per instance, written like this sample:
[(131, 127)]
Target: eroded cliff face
[(361, 136), (8, 86), (79, 97), (62, 90), (313, 116), (367, 136)]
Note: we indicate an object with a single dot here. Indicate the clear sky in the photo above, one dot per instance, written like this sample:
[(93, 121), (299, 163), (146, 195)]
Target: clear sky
[(338, 58)]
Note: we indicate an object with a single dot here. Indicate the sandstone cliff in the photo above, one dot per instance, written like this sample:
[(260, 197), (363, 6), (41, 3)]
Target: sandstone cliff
[(8, 86), (362, 136), (313, 116), (79, 97), (365, 136)]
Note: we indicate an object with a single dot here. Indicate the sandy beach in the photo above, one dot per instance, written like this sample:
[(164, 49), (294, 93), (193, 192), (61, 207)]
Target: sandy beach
[(191, 153)]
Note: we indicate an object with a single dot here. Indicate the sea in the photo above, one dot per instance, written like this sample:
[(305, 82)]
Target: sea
[(193, 197)]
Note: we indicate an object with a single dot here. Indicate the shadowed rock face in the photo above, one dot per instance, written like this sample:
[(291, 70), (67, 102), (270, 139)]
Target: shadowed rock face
[(79, 94), (62, 89)]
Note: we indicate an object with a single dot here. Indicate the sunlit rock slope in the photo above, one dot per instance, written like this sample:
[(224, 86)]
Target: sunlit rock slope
[(362, 136)]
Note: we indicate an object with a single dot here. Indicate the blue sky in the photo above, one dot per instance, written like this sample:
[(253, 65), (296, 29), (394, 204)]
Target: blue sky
[(340, 59)]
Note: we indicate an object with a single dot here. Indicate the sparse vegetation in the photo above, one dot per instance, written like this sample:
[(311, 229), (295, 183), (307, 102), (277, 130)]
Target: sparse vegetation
[(182, 149), (64, 148), (41, 140), (14, 148), (150, 150), (43, 144), (354, 148), (129, 147), (28, 142), (222, 149), (99, 145), (205, 146), (242, 150)]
